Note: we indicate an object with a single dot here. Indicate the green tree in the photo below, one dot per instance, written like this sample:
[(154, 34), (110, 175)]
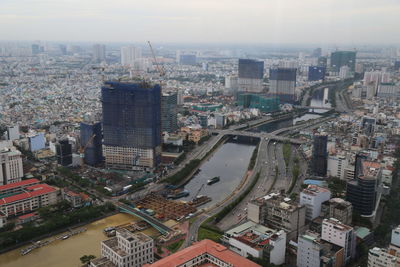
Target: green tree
[(87, 258)]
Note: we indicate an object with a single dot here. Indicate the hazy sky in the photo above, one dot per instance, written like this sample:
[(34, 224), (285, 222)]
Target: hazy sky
[(239, 21)]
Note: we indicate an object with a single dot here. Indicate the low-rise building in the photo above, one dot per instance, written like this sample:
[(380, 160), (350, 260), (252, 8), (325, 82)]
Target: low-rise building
[(312, 251), (258, 241), (204, 253), (126, 249), (339, 209), (26, 196)]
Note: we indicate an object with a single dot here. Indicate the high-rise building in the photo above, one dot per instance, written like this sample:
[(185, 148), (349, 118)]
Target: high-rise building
[(130, 54), (319, 161), (316, 73), (343, 58), (126, 249), (99, 53), (340, 234), (131, 125), (187, 59), (35, 49), (323, 62), (64, 152), (251, 73), (312, 198), (91, 140), (345, 72), (397, 65), (363, 191), (282, 83), (317, 52), (11, 170), (37, 142), (169, 111)]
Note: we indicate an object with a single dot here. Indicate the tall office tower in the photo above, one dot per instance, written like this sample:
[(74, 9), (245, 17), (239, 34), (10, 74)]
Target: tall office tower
[(323, 62), (368, 125), (130, 54), (63, 49), (91, 140), (131, 125), (99, 53), (64, 152), (251, 73), (363, 191), (343, 58), (187, 59), (316, 73), (340, 234), (35, 49), (11, 170), (169, 111), (282, 83), (320, 155), (317, 52)]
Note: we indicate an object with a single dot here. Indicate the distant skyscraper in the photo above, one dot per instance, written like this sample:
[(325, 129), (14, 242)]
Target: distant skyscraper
[(320, 155), (316, 73), (64, 152), (282, 83), (397, 65), (91, 138), (251, 73), (343, 58), (130, 54), (187, 59), (35, 49), (63, 49), (99, 53), (317, 52), (131, 125), (169, 112), (322, 62)]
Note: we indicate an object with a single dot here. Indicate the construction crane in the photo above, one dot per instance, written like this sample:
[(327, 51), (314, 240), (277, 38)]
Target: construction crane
[(160, 69), (83, 149), (198, 191)]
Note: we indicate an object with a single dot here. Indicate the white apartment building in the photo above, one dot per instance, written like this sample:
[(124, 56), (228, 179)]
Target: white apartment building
[(126, 249), (336, 166), (312, 197), (340, 234), (378, 257), (11, 170), (130, 55)]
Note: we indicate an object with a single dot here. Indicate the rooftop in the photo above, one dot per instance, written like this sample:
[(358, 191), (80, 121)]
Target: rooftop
[(19, 184), (31, 191), (337, 224), (203, 247), (314, 190)]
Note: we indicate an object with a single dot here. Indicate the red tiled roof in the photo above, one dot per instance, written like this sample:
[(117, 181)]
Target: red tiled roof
[(23, 217), (202, 247), (22, 183), (35, 190)]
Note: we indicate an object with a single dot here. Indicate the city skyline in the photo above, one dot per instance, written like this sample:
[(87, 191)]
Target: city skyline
[(272, 21)]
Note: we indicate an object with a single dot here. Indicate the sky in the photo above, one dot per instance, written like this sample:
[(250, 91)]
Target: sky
[(203, 21)]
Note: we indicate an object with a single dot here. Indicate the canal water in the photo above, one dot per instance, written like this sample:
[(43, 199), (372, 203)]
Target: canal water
[(230, 163), (66, 253)]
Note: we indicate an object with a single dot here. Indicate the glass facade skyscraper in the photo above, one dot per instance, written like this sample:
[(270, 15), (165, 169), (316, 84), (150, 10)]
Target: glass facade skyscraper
[(131, 124), (91, 138), (343, 58)]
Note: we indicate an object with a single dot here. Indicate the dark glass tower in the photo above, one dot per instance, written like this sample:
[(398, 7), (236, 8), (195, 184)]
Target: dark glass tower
[(131, 124), (343, 58), (169, 112), (251, 69), (64, 153), (91, 138), (320, 155)]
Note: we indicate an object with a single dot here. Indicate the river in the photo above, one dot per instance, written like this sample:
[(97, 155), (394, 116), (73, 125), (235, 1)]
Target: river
[(66, 253), (230, 163)]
